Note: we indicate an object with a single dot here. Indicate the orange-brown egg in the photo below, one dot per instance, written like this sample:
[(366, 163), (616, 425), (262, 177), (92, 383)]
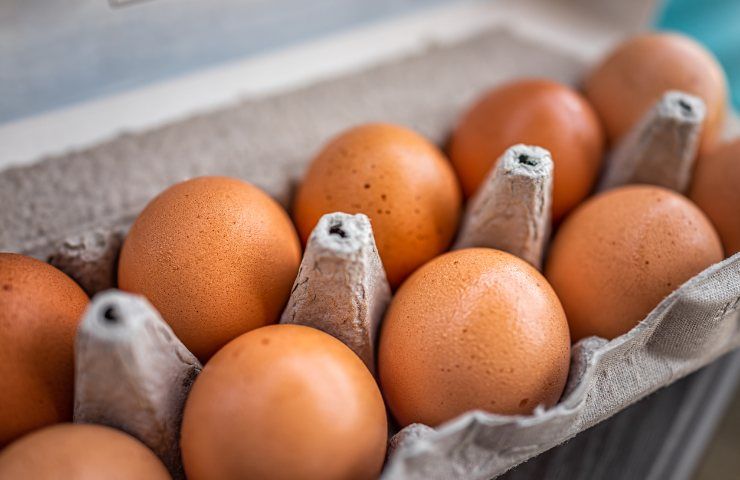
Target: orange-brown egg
[(398, 179), (284, 402), (216, 256), (80, 452), (635, 75), (473, 329), (534, 112), (620, 253), (40, 308), (716, 190)]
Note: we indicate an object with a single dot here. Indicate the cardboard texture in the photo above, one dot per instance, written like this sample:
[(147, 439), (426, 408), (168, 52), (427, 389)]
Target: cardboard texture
[(662, 148), (133, 373), (690, 328), (511, 210), (82, 200), (341, 287), (266, 141), (90, 258)]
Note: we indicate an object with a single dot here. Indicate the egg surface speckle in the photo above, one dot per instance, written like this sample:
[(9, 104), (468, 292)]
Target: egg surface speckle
[(398, 179), (216, 256), (284, 402), (80, 452), (534, 112), (40, 308), (620, 253), (473, 329)]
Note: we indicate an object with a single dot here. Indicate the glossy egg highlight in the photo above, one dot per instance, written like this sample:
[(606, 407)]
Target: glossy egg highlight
[(473, 329), (398, 179), (284, 402), (633, 77), (80, 452), (216, 256), (622, 252), (534, 112)]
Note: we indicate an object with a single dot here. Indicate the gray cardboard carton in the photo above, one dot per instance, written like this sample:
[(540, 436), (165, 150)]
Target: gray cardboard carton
[(268, 141)]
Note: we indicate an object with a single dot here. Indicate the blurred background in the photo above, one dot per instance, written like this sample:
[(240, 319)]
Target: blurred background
[(61, 53), (57, 53)]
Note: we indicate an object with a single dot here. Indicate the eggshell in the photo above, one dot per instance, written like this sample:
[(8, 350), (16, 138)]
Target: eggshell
[(284, 402), (216, 256), (620, 253), (473, 329), (628, 82), (398, 179), (40, 308), (716, 190), (80, 452), (534, 112)]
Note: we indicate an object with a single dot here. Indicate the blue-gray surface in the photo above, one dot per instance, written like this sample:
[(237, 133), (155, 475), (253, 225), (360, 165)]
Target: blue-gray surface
[(58, 52)]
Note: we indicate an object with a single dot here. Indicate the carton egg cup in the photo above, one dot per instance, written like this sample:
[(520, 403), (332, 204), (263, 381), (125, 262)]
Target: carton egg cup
[(268, 141)]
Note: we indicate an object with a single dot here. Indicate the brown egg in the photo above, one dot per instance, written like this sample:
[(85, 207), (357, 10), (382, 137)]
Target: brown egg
[(398, 179), (473, 329), (534, 112), (637, 73), (284, 402), (216, 256), (620, 253), (716, 190), (40, 308), (80, 452)]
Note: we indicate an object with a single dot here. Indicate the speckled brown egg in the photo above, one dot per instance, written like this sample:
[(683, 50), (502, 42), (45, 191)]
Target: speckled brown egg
[(633, 77), (80, 452), (473, 329), (284, 402), (40, 308), (216, 256), (620, 253), (716, 190), (398, 179), (535, 112)]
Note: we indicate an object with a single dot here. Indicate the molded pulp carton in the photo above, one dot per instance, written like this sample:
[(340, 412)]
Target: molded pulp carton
[(74, 208)]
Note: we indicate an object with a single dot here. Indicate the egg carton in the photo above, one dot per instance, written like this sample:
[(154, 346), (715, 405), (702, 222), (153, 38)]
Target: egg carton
[(73, 210)]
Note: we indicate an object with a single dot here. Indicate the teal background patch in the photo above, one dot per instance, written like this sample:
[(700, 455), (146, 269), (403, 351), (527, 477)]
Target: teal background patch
[(716, 24)]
